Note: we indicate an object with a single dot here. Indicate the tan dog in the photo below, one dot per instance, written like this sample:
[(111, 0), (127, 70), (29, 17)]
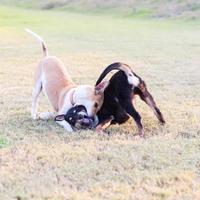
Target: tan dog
[(52, 76)]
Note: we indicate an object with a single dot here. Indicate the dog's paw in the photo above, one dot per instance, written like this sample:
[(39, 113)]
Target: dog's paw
[(33, 116), (46, 115), (99, 130), (68, 128), (141, 133), (65, 125)]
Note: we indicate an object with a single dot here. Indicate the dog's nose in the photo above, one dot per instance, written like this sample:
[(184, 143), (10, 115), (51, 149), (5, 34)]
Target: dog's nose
[(82, 116)]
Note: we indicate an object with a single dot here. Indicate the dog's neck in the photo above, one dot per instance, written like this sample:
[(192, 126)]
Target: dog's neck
[(64, 93)]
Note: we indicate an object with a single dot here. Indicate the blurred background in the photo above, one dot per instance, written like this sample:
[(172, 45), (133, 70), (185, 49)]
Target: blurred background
[(187, 9)]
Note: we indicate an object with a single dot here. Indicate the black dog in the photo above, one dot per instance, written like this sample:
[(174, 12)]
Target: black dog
[(118, 97), (77, 116)]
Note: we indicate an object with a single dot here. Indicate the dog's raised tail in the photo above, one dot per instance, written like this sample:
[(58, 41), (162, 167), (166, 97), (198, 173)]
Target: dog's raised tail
[(45, 51), (132, 77)]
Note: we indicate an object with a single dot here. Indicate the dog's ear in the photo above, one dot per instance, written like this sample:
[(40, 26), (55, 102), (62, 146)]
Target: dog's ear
[(99, 89), (59, 118)]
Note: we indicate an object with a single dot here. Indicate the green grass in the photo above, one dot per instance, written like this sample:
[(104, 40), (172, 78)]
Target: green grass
[(40, 160), (3, 142)]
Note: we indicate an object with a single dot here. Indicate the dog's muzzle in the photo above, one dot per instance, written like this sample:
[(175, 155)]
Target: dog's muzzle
[(85, 120)]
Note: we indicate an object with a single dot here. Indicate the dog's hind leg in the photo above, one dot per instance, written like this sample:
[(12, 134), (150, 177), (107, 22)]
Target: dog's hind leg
[(36, 91), (148, 99), (136, 116)]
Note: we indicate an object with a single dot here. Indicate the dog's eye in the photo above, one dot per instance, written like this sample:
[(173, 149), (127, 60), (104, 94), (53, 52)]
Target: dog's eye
[(96, 105), (130, 74)]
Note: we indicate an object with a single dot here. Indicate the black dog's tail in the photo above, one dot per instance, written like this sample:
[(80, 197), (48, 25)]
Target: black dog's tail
[(132, 77)]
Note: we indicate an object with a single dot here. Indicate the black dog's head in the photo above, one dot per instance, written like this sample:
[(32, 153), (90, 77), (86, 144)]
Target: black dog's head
[(77, 117)]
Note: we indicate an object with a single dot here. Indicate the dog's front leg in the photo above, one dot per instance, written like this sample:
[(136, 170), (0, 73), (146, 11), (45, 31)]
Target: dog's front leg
[(64, 123), (46, 115), (104, 124), (136, 116)]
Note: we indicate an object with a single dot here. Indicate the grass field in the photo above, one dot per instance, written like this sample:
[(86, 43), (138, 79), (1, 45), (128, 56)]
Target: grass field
[(184, 9), (40, 160)]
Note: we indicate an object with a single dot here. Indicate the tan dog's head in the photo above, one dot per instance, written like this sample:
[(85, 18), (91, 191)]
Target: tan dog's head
[(90, 96)]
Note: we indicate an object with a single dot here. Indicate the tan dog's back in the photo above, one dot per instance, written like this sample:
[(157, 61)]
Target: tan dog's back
[(54, 76)]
